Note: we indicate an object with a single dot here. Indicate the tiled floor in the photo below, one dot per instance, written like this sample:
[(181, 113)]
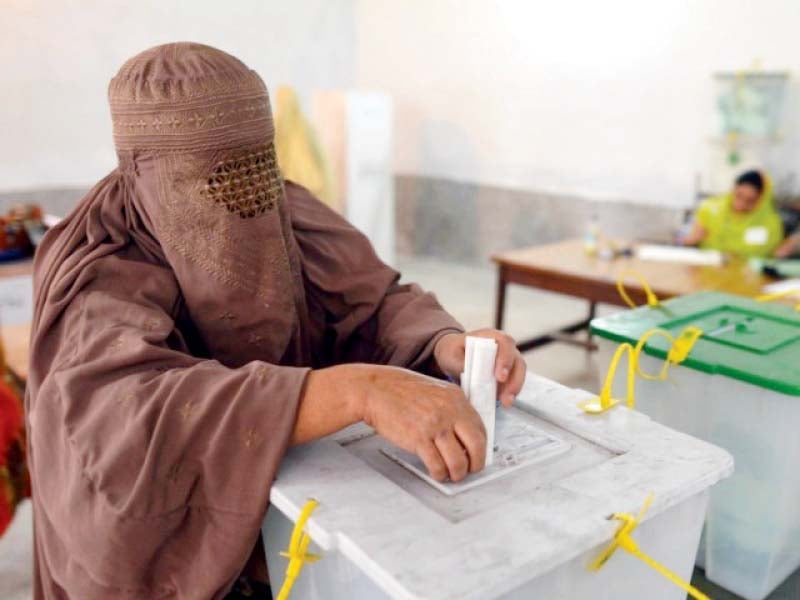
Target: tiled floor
[(467, 292)]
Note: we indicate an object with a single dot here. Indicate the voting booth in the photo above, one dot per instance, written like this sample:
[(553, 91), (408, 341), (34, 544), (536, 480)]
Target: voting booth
[(528, 526), (738, 388)]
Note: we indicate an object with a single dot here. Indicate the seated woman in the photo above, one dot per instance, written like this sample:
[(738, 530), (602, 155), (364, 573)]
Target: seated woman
[(743, 222), (194, 317)]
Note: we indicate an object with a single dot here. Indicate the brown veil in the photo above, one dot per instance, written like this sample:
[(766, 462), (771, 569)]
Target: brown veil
[(178, 309)]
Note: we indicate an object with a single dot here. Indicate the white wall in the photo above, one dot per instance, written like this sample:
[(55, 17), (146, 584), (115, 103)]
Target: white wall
[(608, 99), (56, 57)]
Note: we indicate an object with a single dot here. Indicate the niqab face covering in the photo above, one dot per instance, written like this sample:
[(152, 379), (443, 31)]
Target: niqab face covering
[(194, 134)]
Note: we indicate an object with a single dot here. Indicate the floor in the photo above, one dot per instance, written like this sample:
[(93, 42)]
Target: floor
[(468, 293)]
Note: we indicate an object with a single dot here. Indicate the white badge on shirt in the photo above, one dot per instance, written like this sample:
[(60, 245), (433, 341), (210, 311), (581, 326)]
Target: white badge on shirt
[(756, 236)]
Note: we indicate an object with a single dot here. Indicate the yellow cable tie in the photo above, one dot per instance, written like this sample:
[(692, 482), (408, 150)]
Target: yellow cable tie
[(678, 352), (297, 553), (652, 299), (623, 540), (662, 375), (604, 401), (683, 344)]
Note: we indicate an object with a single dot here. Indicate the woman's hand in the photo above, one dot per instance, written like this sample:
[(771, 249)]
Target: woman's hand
[(509, 366), (420, 414), (428, 417)]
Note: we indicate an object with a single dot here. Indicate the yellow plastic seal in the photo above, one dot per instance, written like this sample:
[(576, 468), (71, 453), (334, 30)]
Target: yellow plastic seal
[(297, 553), (623, 540), (679, 350), (652, 299), (604, 401)]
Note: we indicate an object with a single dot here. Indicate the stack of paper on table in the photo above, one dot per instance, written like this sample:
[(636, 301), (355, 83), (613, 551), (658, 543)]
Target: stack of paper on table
[(689, 256)]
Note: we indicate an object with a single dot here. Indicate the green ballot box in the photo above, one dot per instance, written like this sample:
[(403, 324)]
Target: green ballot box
[(738, 388)]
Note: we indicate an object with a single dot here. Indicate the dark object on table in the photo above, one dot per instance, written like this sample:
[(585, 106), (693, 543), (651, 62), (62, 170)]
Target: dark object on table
[(779, 268), (20, 230)]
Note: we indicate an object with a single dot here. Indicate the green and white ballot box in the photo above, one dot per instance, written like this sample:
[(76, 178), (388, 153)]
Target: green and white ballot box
[(738, 388)]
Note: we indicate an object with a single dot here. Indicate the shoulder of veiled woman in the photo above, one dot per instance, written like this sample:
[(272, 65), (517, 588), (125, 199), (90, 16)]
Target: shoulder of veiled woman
[(127, 276), (308, 210)]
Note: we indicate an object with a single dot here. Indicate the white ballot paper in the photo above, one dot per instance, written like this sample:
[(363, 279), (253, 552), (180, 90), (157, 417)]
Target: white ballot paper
[(480, 385)]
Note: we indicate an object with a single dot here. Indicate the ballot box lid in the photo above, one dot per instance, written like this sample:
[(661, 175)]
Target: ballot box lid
[(754, 342), (488, 538)]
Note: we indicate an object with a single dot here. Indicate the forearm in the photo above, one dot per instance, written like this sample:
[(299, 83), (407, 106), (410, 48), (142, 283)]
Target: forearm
[(332, 399), (407, 325)]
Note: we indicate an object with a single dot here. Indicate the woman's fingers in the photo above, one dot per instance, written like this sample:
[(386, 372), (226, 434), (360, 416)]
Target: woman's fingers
[(429, 417), (454, 455), (513, 385), (473, 439), (506, 355), (433, 461), (449, 353)]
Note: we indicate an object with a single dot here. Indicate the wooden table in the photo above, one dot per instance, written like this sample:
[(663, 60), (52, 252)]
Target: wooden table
[(16, 337), (564, 267)]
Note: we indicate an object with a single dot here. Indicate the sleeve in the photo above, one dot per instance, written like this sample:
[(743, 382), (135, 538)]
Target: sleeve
[(148, 461), (368, 316), (704, 214)]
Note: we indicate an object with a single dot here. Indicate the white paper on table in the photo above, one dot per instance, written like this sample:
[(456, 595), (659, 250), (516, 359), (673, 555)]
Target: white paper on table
[(785, 285), (677, 254)]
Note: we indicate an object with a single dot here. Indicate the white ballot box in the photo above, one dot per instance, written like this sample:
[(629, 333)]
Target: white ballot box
[(526, 527)]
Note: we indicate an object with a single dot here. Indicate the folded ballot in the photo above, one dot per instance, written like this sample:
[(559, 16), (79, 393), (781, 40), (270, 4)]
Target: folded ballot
[(480, 385)]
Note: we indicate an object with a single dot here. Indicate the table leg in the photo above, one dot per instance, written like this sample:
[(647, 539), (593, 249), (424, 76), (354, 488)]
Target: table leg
[(500, 307), (562, 335)]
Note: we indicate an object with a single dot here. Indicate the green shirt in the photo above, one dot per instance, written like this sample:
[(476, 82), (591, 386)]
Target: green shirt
[(750, 234)]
